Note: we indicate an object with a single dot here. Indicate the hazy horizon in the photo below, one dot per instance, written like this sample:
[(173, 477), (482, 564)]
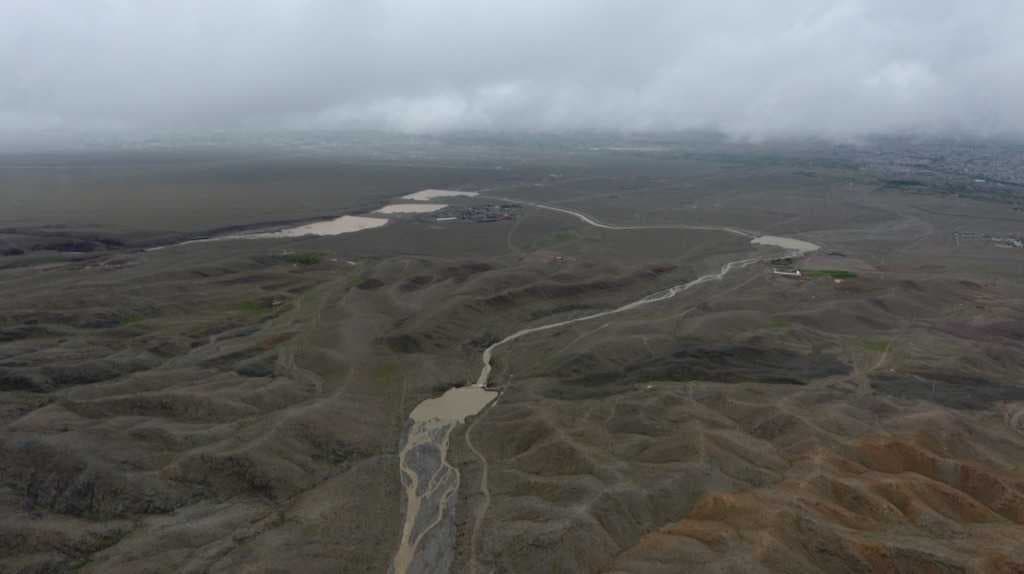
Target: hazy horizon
[(840, 69)]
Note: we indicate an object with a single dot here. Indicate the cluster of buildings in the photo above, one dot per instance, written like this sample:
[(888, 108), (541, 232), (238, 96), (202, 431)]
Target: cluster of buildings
[(977, 161), (476, 214), (785, 266), (1010, 241)]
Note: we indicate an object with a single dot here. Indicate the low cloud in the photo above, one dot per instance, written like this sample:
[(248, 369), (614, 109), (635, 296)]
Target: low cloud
[(745, 67)]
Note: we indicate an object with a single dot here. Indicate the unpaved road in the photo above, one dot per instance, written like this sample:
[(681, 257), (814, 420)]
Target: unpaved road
[(590, 220)]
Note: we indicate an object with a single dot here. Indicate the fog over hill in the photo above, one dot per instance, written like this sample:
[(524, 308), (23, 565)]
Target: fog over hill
[(794, 67)]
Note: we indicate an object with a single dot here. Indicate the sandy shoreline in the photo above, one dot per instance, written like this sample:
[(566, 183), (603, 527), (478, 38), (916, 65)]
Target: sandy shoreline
[(428, 194), (411, 208)]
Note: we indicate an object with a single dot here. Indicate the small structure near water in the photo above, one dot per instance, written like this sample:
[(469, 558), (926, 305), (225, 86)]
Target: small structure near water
[(787, 272)]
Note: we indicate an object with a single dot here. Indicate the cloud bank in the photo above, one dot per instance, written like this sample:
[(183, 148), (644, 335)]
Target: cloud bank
[(841, 67)]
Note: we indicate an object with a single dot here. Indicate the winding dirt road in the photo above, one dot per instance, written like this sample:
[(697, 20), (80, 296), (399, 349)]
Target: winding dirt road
[(590, 220)]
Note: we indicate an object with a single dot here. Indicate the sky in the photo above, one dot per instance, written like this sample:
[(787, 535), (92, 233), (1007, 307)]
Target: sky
[(748, 68)]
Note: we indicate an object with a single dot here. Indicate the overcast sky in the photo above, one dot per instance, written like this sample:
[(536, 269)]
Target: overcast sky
[(753, 67)]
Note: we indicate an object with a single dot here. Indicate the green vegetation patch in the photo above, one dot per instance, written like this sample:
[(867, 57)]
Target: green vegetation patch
[(131, 317), (556, 238), (385, 374), (833, 273), (304, 258), (875, 345), (255, 306)]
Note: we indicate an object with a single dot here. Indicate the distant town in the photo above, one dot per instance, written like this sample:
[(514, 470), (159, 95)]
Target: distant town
[(473, 214)]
